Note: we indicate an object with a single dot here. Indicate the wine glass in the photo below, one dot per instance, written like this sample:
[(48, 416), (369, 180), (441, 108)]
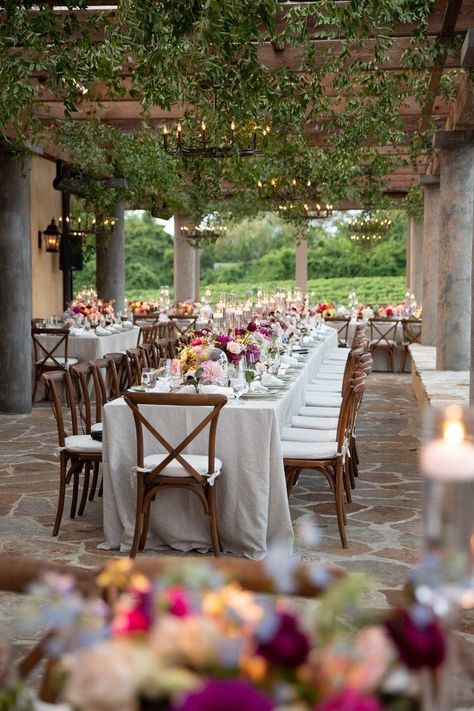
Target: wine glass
[(148, 379), (238, 381)]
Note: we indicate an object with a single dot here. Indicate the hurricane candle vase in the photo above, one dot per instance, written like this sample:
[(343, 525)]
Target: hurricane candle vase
[(447, 465)]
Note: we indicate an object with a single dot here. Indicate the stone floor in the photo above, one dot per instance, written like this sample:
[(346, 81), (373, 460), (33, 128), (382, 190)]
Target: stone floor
[(384, 520)]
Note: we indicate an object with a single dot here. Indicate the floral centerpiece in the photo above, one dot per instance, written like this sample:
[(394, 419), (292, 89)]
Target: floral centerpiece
[(391, 311), (143, 307), (87, 305), (192, 640), (185, 309)]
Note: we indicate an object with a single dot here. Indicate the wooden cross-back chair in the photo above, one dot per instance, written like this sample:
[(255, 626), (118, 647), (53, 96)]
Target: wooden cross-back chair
[(47, 358), (106, 380), (411, 334), (151, 354), (341, 323), (147, 334), (89, 408), (194, 472), (78, 451), (136, 359), (382, 337), (167, 333), (184, 327), (333, 465), (123, 370)]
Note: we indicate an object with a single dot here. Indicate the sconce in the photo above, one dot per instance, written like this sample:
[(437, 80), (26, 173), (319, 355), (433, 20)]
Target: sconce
[(51, 237)]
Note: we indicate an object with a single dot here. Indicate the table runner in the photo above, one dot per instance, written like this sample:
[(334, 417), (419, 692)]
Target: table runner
[(253, 509)]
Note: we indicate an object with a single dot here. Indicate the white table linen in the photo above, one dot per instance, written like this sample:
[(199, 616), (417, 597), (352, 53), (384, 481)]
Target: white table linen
[(253, 510), (88, 347)]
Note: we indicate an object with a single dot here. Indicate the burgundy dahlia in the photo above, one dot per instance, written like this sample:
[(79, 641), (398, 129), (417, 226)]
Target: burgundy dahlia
[(288, 647), (231, 695), (419, 638), (252, 326)]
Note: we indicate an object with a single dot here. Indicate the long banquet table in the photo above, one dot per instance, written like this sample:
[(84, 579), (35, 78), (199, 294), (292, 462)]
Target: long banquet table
[(253, 510)]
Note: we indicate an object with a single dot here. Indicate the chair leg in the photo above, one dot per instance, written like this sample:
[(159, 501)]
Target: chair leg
[(95, 479), (145, 527), (138, 518), (391, 360), (101, 488), (85, 489), (341, 514), (62, 495), (347, 482), (211, 500), (35, 386), (404, 358)]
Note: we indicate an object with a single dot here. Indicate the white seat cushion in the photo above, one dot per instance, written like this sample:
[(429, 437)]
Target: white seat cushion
[(323, 400), (308, 450), (384, 343), (198, 461), (319, 411), (315, 423), (82, 443), (61, 360), (97, 427), (325, 386), (329, 376), (300, 434)]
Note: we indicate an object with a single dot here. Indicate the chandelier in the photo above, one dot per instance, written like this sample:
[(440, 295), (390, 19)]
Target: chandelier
[(368, 229), (197, 234), (279, 190), (315, 212), (81, 226), (177, 145)]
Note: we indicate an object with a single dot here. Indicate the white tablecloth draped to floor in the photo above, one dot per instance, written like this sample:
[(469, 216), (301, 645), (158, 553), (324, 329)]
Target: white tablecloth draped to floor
[(88, 347), (253, 510)]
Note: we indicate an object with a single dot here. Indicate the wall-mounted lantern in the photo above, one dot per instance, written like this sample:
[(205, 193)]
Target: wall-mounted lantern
[(51, 237)]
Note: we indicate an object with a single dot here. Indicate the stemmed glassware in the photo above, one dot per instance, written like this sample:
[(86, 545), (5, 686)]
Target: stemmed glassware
[(237, 379)]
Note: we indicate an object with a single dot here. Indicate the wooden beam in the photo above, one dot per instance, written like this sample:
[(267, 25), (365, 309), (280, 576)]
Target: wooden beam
[(451, 14)]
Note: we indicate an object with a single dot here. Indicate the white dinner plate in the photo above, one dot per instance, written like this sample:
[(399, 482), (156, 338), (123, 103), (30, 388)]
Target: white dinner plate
[(259, 396)]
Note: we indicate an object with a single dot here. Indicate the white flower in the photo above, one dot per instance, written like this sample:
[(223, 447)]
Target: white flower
[(235, 348)]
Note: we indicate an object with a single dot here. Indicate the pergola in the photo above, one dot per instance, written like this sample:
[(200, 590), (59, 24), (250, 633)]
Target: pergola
[(440, 244)]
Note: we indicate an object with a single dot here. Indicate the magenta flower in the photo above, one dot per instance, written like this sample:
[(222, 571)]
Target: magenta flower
[(288, 647), (232, 695), (77, 309), (178, 601), (252, 326), (350, 700), (418, 637)]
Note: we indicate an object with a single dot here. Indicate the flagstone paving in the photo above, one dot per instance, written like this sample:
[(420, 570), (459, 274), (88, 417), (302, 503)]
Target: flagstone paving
[(384, 520)]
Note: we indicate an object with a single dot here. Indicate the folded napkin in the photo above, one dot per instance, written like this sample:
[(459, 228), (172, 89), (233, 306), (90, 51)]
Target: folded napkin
[(269, 379), (288, 360), (127, 325), (116, 328), (257, 387), (99, 331), (209, 390), (163, 317), (81, 332)]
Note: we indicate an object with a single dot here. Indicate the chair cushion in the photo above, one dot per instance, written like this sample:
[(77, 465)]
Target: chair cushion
[(308, 450), (301, 434), (323, 399), (315, 423), (319, 411), (174, 468), (97, 427), (82, 443), (325, 386), (60, 360), (385, 343)]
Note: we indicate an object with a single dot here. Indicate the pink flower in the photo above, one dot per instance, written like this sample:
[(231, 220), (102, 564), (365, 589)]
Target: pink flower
[(211, 371), (350, 700), (178, 601)]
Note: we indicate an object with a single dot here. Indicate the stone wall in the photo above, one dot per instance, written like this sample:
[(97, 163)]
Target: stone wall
[(47, 279)]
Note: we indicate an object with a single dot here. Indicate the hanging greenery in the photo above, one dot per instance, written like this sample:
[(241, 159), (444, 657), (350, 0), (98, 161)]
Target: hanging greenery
[(329, 108)]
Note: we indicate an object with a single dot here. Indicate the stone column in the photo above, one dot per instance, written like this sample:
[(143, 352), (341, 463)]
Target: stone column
[(184, 264), (431, 218), (301, 266), (415, 236), (15, 286), (453, 342), (110, 253)]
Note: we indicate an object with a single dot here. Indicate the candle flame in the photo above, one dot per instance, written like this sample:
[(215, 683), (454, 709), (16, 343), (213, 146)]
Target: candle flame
[(453, 432), (232, 126), (165, 130)]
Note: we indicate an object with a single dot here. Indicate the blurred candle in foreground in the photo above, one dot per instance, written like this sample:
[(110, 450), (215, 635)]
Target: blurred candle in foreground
[(447, 464)]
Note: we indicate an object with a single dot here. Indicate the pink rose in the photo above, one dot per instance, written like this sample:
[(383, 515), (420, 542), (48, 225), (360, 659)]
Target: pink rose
[(211, 371)]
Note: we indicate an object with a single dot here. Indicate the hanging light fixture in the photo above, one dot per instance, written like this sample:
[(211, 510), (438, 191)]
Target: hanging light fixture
[(51, 237), (278, 189), (367, 229), (176, 144), (83, 225), (199, 234), (306, 212)]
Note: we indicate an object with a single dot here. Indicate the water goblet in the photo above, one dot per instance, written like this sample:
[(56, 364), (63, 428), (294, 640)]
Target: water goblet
[(148, 379)]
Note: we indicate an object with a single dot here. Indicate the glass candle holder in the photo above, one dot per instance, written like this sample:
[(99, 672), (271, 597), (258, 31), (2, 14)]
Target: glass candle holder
[(447, 465)]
